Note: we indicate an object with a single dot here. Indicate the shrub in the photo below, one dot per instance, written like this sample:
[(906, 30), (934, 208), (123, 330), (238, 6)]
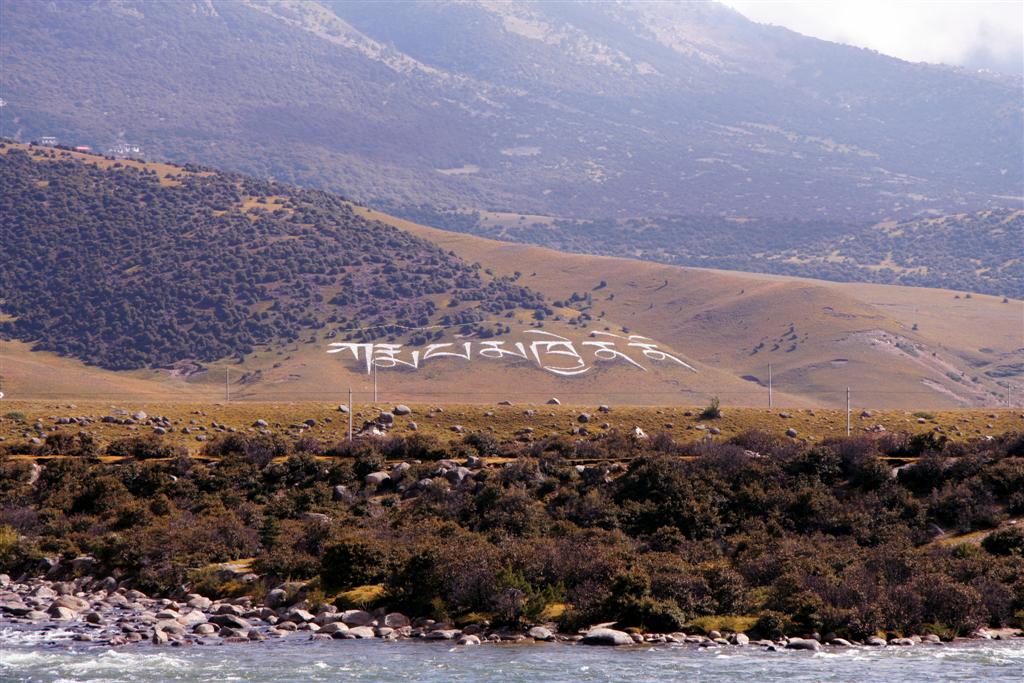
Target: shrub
[(258, 449), (143, 447), (1009, 541), (354, 562), (712, 411)]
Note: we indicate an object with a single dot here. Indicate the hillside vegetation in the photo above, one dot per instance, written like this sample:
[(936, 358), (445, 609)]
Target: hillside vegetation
[(972, 252), (127, 266)]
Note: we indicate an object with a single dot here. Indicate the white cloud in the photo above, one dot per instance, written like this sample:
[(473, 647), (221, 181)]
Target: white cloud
[(980, 33)]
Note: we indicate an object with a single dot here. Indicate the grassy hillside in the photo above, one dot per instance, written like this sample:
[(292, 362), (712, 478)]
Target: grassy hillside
[(895, 347), (972, 252)]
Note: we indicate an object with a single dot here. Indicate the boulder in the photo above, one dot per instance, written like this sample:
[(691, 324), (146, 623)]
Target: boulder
[(14, 605), (160, 638), (299, 616), (444, 634), (396, 620), (803, 644), (455, 476), (335, 627), (318, 517), (226, 608), (554, 402), (360, 632), (44, 592), (83, 565), (739, 639), (275, 597), (139, 416), (583, 417), (199, 602), (376, 478), (874, 641), (791, 433), (606, 636), (356, 617), (343, 408), (72, 603), (229, 621), (468, 640), (386, 418), (540, 633), (204, 629), (401, 409), (840, 642), (902, 642)]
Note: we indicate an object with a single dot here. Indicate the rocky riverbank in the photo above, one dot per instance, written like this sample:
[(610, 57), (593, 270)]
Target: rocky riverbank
[(103, 612)]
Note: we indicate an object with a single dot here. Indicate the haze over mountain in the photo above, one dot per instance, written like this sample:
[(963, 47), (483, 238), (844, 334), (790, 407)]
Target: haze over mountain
[(584, 110)]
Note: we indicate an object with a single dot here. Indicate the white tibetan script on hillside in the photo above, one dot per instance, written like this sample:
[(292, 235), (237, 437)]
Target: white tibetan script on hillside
[(549, 351)]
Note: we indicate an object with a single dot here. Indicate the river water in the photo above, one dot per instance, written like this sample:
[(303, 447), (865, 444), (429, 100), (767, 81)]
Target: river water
[(26, 657)]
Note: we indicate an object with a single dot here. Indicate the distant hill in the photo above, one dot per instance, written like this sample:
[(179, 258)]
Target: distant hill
[(185, 283), (128, 266), (584, 110), (973, 252)]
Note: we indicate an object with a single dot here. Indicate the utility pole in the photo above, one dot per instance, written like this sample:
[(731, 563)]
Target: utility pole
[(375, 382), (351, 409), (769, 385), (847, 411)]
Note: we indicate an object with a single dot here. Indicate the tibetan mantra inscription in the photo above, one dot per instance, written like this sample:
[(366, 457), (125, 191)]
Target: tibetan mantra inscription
[(551, 352)]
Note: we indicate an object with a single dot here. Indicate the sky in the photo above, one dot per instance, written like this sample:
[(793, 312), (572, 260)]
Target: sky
[(980, 34)]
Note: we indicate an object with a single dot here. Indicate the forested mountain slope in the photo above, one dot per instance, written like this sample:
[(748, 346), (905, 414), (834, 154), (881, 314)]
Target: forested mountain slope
[(125, 266)]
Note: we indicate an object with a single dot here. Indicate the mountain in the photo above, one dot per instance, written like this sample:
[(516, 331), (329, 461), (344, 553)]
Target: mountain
[(573, 109), (123, 278)]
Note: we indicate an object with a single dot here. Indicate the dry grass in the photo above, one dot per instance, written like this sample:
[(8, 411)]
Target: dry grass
[(505, 422)]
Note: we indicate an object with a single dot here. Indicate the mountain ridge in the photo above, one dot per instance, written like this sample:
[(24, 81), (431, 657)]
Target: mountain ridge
[(538, 108)]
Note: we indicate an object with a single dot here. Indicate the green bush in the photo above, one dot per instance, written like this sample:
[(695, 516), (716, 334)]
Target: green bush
[(144, 447), (1009, 541), (712, 411)]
